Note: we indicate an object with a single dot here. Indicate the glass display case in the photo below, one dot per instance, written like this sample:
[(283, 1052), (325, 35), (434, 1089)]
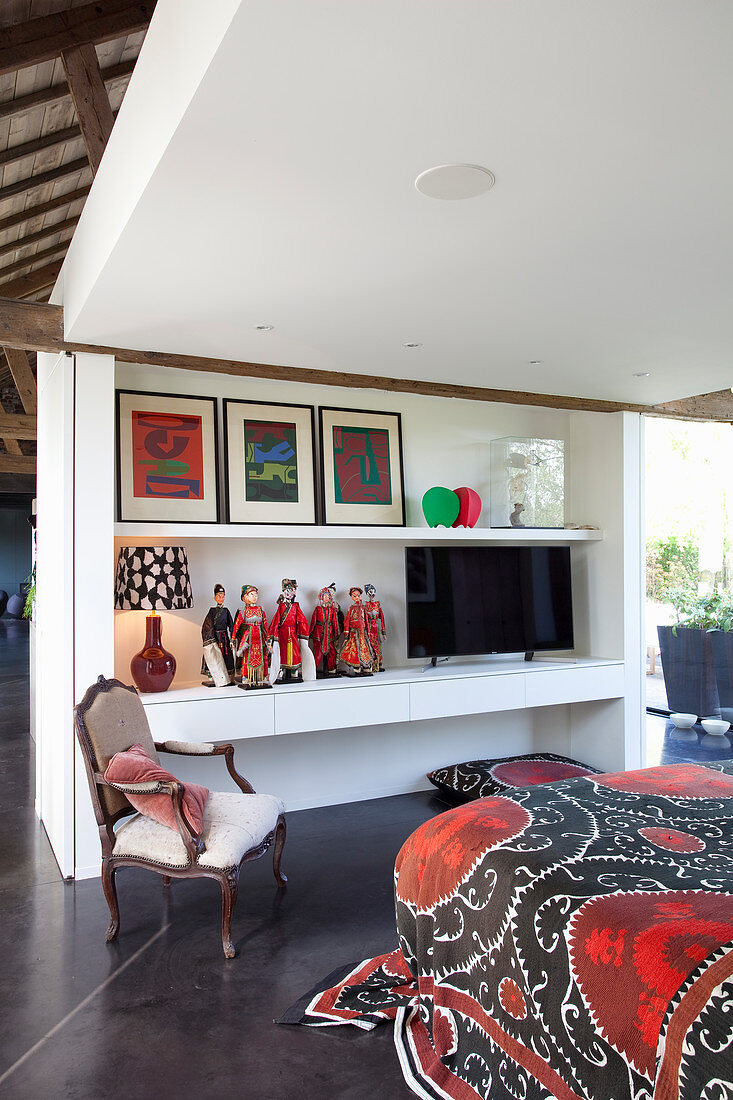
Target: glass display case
[(527, 482)]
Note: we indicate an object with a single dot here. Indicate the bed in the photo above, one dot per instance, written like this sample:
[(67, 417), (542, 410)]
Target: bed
[(567, 940)]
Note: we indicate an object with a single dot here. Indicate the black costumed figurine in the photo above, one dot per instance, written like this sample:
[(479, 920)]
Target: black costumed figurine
[(216, 634), (326, 625)]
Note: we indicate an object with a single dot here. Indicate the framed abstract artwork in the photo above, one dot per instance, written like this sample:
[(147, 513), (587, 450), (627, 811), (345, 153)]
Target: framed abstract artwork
[(270, 462), (361, 468), (167, 467)]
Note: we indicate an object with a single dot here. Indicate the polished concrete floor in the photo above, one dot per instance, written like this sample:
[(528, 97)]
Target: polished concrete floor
[(161, 1012)]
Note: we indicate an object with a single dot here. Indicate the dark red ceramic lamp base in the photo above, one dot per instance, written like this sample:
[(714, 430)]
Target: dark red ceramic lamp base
[(153, 668)]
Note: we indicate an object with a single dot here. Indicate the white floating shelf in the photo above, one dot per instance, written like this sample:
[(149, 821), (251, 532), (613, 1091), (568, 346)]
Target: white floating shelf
[(166, 532)]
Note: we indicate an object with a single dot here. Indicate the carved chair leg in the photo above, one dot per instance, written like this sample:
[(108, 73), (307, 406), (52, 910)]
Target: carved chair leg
[(229, 888), (110, 892), (280, 878)]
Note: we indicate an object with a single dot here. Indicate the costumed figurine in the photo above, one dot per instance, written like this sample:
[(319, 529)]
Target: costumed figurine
[(251, 641), (289, 633), (375, 623), (356, 651), (217, 663), (325, 630)]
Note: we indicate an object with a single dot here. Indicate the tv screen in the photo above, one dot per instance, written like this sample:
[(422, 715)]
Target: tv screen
[(470, 600)]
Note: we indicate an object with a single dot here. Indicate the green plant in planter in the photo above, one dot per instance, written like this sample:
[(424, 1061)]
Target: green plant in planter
[(30, 596), (711, 612)]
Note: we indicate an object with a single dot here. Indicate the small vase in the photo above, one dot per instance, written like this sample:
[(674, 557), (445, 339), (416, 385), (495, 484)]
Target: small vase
[(153, 668)]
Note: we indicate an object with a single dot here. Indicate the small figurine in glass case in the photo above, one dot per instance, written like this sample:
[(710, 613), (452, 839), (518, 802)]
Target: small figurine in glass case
[(251, 642), (289, 627), (356, 651), (324, 631), (375, 622), (216, 635)]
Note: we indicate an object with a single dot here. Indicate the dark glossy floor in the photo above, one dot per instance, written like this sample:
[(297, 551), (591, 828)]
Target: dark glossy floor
[(161, 1012)]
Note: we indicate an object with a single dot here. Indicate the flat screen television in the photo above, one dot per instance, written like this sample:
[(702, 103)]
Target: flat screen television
[(469, 600)]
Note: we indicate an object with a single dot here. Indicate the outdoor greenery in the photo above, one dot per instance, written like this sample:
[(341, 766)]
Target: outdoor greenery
[(30, 596), (710, 612), (672, 564)]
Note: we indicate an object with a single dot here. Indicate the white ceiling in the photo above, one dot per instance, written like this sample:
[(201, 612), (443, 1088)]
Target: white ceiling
[(286, 196)]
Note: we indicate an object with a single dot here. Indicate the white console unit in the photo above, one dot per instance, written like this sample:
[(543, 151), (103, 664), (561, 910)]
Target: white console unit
[(402, 695)]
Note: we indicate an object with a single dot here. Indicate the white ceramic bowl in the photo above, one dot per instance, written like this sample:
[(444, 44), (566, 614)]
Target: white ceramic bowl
[(683, 721), (715, 725)]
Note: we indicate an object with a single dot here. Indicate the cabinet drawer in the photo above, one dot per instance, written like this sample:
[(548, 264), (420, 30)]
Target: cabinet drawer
[(228, 718), (574, 685), (474, 695), (341, 708)]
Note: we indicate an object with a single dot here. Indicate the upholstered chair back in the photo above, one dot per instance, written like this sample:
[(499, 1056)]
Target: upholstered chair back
[(110, 719)]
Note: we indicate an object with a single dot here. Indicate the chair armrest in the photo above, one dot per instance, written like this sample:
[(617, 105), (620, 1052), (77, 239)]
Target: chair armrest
[(192, 841), (204, 748), (187, 748)]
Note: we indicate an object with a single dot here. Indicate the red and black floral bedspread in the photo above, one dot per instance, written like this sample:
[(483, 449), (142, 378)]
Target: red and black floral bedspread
[(571, 940)]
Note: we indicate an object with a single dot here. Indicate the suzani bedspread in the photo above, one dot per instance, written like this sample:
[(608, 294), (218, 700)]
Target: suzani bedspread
[(569, 940)]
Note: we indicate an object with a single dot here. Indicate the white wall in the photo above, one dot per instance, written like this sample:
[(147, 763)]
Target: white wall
[(444, 442)]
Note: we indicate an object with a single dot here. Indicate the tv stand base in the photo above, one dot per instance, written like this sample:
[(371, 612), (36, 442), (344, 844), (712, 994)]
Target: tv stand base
[(529, 655)]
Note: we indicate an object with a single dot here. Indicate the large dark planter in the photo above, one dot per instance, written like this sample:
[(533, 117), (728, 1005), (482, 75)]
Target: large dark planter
[(689, 671), (722, 643)]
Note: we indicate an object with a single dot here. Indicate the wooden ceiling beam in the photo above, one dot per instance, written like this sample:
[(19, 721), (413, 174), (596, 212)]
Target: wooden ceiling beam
[(45, 254), (41, 327), (29, 182), (17, 426), (42, 208), (42, 98), (17, 464), (28, 325), (91, 101), (31, 284), (706, 406), (34, 238), (47, 37), (12, 446), (25, 383)]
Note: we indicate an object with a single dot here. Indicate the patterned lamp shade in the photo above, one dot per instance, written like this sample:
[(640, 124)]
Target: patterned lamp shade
[(152, 578)]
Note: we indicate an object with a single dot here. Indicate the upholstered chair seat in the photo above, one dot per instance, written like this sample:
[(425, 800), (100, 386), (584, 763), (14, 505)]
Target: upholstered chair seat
[(148, 818), (233, 826)]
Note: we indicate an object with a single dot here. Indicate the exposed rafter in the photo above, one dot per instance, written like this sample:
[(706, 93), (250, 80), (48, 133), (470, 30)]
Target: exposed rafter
[(17, 426), (42, 178), (90, 99), (17, 464), (31, 283), (22, 374), (56, 92), (47, 37), (41, 235), (21, 216), (26, 261), (707, 406)]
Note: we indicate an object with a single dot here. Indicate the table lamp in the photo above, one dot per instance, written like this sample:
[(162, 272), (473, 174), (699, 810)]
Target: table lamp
[(152, 578)]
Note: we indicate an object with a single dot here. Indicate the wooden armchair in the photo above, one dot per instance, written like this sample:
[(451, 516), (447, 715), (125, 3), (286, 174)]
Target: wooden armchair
[(237, 827)]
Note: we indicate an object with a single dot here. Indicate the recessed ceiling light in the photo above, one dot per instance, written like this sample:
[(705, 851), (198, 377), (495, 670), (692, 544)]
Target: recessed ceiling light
[(411, 345), (641, 373), (535, 362), (455, 181), (264, 328)]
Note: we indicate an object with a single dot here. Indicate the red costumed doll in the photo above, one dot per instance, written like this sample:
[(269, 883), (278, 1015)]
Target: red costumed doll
[(375, 624), (356, 652), (250, 641), (325, 631), (288, 627)]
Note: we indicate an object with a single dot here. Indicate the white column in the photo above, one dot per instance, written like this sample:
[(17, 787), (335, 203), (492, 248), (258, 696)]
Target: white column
[(55, 606), (94, 496)]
